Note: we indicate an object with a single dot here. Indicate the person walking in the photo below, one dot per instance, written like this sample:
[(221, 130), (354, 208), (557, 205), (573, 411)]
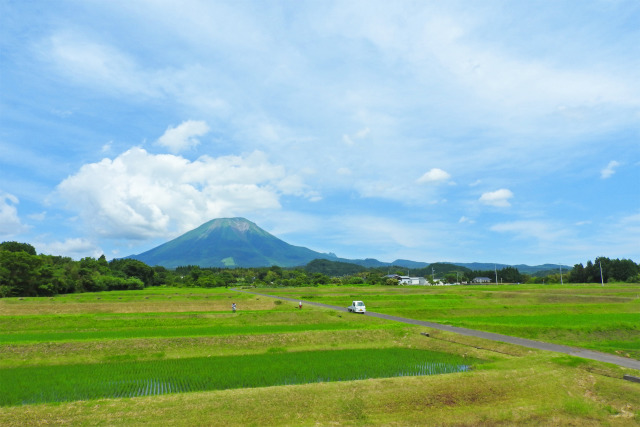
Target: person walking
[(300, 305), (233, 307)]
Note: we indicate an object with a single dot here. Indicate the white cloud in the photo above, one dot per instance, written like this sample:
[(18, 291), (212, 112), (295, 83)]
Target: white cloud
[(86, 61), (351, 139), (106, 148), (347, 139), (389, 239), (383, 231), (499, 198), (362, 133), (183, 136), (10, 223), (38, 216), (139, 195), (609, 170), (466, 220), (294, 185), (538, 230), (456, 54), (94, 63), (74, 248), (435, 175), (617, 236)]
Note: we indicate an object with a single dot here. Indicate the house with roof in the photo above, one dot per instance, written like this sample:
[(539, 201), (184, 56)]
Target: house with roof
[(407, 280), (481, 280)]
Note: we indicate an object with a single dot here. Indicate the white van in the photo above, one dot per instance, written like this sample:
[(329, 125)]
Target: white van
[(357, 307)]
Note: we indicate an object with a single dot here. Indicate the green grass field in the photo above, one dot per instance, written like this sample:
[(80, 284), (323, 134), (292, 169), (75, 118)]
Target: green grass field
[(590, 316), (180, 357)]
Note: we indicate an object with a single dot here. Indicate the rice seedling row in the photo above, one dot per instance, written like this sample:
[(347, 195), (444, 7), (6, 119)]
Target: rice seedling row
[(31, 385)]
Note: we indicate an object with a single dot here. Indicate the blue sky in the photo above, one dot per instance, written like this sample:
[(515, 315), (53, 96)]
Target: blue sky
[(493, 131)]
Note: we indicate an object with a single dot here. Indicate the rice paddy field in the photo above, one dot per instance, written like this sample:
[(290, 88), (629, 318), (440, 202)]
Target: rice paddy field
[(603, 318), (181, 357)]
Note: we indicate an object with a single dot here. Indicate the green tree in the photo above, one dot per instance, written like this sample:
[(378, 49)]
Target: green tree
[(133, 268), (19, 273), (450, 277), (225, 278), (272, 278), (319, 279), (17, 247), (391, 282), (622, 270), (578, 274), (207, 279)]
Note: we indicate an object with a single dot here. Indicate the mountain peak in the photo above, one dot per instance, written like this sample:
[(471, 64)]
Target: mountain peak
[(237, 223), (228, 242)]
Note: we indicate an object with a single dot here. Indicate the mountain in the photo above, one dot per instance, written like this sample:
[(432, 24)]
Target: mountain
[(410, 264), (229, 242), (333, 268), (238, 242), (374, 263)]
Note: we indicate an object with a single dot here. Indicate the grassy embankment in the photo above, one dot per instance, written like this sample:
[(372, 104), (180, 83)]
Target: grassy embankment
[(175, 326)]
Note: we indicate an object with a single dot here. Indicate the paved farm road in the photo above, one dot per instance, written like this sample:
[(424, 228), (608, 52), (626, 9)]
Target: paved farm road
[(539, 345)]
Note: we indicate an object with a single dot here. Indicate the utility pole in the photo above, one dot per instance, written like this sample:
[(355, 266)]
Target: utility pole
[(601, 276), (495, 270), (433, 275), (561, 282)]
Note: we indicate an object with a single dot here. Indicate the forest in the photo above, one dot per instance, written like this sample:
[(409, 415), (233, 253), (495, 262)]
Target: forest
[(24, 273)]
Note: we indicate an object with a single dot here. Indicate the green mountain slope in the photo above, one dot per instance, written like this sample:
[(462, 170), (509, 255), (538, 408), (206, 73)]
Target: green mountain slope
[(228, 242)]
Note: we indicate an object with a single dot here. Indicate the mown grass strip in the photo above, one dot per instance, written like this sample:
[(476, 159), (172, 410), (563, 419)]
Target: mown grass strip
[(33, 385), (169, 332), (585, 321)]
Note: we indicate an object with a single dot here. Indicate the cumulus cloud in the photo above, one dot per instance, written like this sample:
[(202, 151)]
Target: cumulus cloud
[(609, 170), (74, 248), (435, 175), (499, 198), (10, 224), (183, 136), (139, 195)]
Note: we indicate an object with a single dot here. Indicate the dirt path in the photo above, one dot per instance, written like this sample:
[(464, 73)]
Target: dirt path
[(539, 345)]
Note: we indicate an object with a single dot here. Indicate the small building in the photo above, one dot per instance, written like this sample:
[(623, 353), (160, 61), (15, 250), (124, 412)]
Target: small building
[(407, 280), (481, 280)]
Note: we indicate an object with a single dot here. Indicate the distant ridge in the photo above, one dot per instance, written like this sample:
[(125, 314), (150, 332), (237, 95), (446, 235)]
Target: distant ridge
[(522, 268), (238, 242)]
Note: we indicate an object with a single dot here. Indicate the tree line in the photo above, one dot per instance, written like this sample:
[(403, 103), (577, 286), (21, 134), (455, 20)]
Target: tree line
[(24, 273)]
